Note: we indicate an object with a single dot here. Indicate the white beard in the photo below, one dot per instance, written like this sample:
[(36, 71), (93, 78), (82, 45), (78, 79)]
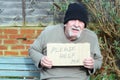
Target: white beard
[(72, 34)]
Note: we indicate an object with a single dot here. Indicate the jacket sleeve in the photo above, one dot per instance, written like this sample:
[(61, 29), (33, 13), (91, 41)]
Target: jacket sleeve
[(96, 54), (35, 50)]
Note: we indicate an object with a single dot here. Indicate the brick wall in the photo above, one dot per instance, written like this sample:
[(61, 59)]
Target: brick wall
[(16, 41)]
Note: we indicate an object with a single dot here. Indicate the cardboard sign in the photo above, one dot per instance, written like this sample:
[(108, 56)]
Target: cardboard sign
[(68, 54)]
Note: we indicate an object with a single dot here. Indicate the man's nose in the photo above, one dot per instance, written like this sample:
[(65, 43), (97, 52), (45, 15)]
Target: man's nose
[(77, 23)]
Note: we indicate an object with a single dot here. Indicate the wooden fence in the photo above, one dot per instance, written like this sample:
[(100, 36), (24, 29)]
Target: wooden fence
[(31, 12)]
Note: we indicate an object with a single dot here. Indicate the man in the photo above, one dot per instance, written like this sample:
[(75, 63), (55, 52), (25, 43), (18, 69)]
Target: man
[(72, 31)]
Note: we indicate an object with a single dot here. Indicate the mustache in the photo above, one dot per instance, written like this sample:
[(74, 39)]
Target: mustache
[(76, 28)]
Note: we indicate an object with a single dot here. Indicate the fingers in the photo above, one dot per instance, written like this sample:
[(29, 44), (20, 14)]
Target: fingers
[(45, 62), (89, 63)]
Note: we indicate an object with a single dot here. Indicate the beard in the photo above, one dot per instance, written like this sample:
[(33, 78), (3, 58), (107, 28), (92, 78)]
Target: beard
[(74, 34)]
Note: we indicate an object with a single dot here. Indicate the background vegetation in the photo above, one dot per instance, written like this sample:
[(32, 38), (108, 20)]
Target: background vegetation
[(105, 21)]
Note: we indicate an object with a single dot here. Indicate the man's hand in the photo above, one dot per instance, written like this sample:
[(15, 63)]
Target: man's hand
[(88, 63), (45, 62)]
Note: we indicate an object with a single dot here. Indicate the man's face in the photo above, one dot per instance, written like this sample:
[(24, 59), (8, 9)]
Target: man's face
[(73, 29)]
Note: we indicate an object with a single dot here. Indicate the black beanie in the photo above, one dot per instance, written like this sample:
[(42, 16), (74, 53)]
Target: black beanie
[(76, 11)]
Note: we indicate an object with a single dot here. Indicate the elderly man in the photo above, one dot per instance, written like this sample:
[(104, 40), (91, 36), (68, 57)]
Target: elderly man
[(74, 30)]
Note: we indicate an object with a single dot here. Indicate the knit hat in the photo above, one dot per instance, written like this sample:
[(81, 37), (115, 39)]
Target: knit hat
[(76, 11)]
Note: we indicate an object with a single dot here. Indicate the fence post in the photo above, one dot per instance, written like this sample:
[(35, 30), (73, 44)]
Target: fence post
[(23, 12)]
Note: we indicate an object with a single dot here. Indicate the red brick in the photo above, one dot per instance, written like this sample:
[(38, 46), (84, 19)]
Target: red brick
[(11, 53), (2, 47), (0, 41), (27, 47), (39, 31), (10, 41), (25, 53), (27, 41), (16, 36), (18, 47), (11, 31), (27, 31), (29, 36), (1, 53), (3, 37), (1, 30)]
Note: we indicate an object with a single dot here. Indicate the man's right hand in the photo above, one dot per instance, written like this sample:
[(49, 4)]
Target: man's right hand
[(45, 62)]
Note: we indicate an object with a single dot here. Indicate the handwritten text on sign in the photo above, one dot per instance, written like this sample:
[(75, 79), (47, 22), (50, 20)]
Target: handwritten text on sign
[(68, 54)]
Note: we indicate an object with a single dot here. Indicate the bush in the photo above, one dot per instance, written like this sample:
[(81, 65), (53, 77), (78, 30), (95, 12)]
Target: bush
[(105, 20)]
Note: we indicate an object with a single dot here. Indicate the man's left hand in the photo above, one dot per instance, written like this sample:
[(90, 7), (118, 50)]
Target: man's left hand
[(88, 63)]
